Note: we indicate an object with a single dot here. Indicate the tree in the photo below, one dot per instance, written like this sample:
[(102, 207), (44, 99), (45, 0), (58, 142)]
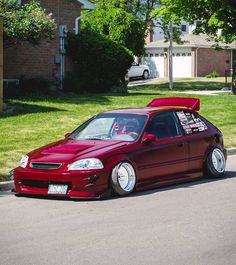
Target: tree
[(28, 22), (95, 55), (115, 20), (216, 18)]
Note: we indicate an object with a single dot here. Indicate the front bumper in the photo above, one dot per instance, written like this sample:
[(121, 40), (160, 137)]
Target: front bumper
[(81, 184)]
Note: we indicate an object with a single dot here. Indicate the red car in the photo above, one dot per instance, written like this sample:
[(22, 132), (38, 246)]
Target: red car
[(123, 150)]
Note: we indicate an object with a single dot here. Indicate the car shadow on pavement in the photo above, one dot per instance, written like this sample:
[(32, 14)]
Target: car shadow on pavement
[(189, 184)]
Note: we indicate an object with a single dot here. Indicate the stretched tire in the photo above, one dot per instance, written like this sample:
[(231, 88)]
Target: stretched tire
[(145, 74), (215, 163), (123, 178)]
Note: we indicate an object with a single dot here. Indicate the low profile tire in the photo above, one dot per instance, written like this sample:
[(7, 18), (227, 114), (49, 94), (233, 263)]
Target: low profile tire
[(123, 178), (215, 163), (145, 74)]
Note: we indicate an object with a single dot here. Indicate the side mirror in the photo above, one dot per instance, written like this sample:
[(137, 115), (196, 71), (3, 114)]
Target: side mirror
[(149, 138), (66, 135)]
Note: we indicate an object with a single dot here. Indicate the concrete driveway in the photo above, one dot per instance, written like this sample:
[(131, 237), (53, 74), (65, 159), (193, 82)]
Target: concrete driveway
[(192, 223)]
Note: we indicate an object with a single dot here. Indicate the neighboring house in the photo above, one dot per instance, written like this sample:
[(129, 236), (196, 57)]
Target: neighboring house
[(156, 32), (45, 60), (194, 58)]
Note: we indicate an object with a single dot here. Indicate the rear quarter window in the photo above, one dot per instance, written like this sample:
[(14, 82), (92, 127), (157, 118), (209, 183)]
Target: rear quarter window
[(191, 123)]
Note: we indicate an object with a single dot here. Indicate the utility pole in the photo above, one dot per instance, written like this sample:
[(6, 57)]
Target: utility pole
[(171, 56), (1, 64)]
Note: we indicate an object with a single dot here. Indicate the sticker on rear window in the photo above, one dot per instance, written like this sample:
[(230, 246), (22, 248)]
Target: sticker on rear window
[(191, 123)]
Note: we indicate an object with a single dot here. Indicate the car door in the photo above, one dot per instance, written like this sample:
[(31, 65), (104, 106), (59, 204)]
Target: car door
[(166, 158)]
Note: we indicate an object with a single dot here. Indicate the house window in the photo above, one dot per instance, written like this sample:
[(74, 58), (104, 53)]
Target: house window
[(189, 54), (173, 54), (183, 54), (162, 55), (157, 54), (178, 54), (151, 55), (184, 28)]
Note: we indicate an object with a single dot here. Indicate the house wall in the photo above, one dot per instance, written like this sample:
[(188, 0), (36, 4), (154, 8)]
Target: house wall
[(34, 61), (209, 59)]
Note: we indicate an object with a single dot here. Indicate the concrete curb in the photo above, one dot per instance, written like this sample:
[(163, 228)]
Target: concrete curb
[(9, 185), (231, 151), (6, 185)]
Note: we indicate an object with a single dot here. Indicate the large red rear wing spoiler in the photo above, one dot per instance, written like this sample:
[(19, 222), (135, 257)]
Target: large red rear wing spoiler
[(190, 103)]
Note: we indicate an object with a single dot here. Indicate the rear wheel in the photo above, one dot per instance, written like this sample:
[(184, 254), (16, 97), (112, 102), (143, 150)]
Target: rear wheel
[(215, 163), (123, 178), (145, 74)]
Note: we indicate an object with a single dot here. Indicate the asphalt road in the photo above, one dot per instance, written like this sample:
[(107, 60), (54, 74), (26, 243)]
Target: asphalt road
[(194, 223)]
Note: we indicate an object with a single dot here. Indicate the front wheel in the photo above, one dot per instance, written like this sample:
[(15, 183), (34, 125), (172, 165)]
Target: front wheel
[(123, 178), (145, 74), (215, 163)]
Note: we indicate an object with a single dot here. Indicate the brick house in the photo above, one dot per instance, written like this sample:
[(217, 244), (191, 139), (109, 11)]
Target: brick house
[(28, 61), (196, 57)]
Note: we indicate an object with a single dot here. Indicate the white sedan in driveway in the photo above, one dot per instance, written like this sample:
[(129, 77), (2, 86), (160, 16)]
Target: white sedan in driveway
[(138, 70)]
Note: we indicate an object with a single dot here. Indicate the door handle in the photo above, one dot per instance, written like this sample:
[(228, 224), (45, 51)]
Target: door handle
[(180, 144)]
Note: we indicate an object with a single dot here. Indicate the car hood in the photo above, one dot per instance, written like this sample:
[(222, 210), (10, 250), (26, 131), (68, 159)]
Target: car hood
[(66, 150)]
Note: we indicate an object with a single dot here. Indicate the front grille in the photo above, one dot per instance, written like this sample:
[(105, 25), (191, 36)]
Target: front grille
[(45, 166), (42, 184)]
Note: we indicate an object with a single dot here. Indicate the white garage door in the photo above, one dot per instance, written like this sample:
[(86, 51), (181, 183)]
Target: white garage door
[(155, 62), (182, 62)]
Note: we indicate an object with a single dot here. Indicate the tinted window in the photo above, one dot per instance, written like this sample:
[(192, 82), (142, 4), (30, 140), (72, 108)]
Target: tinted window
[(190, 122), (164, 125)]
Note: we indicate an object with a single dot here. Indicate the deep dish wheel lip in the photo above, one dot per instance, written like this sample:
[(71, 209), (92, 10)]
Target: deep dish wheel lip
[(218, 160), (127, 168), (126, 177)]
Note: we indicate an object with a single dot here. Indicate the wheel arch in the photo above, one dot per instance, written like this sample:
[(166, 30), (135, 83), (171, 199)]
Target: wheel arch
[(210, 148), (113, 161)]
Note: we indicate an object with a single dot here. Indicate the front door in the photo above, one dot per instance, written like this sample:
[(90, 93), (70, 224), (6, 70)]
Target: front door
[(167, 157)]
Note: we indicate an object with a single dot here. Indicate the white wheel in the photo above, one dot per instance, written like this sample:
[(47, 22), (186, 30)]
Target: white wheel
[(218, 160), (215, 163), (123, 178)]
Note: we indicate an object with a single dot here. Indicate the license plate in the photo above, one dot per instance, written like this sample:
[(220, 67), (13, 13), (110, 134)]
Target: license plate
[(57, 189)]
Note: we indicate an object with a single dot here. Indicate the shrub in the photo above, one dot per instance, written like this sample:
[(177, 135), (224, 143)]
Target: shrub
[(37, 85), (212, 75), (99, 63)]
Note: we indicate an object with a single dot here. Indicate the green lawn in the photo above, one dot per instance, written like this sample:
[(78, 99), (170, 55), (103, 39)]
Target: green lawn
[(36, 121)]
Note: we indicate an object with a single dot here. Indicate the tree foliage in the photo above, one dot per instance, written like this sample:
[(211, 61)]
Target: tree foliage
[(28, 22), (99, 63), (116, 19), (216, 18)]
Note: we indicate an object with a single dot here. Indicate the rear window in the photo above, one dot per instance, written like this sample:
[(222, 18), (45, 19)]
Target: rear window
[(190, 122)]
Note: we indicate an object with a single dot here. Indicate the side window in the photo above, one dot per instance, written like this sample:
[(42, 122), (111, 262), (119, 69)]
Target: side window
[(164, 125), (190, 122)]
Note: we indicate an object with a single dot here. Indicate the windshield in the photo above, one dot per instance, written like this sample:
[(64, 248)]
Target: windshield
[(111, 126)]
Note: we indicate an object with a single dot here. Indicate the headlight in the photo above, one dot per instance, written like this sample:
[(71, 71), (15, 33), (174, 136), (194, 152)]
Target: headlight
[(86, 164), (24, 161)]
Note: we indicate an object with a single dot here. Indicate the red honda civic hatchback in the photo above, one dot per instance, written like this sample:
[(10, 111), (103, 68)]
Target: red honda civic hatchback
[(123, 150)]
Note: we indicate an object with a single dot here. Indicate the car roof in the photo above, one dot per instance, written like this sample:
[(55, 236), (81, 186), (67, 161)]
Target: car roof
[(146, 110)]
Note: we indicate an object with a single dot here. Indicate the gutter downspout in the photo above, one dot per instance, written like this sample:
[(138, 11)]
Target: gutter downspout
[(196, 62), (77, 21)]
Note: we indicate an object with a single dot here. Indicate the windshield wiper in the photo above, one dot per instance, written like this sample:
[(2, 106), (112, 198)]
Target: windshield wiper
[(93, 138)]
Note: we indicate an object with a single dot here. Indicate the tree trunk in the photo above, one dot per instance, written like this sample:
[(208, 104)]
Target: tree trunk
[(234, 82)]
